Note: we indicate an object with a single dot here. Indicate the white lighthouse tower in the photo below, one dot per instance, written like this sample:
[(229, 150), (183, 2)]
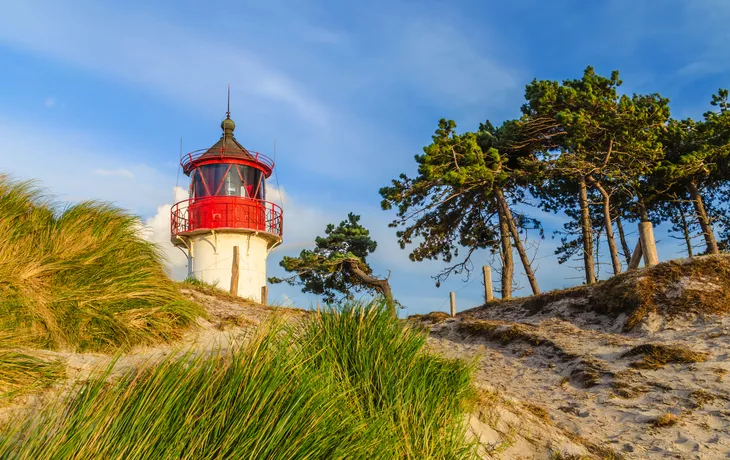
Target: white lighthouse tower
[(227, 226)]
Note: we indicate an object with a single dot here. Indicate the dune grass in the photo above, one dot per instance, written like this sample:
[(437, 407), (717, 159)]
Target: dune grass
[(22, 373), (419, 398), (81, 278), (349, 384)]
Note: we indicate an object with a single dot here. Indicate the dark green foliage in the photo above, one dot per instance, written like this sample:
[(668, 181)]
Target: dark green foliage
[(327, 270), (451, 206)]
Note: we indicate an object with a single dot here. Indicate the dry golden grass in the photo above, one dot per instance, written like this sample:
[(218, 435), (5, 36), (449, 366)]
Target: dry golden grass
[(665, 420), (504, 332), (202, 287), (22, 373), (604, 453), (660, 289), (701, 397), (656, 356), (81, 278), (538, 411), (434, 317)]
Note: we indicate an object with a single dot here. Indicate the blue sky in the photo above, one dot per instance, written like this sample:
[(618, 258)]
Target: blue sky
[(95, 98)]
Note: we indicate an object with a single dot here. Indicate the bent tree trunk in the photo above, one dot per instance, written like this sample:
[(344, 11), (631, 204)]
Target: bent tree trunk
[(380, 285), (608, 223), (516, 239), (622, 237), (685, 231), (508, 265), (587, 228), (704, 221)]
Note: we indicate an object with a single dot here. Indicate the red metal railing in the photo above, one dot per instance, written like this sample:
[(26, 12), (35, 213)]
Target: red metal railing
[(218, 212), (189, 159)]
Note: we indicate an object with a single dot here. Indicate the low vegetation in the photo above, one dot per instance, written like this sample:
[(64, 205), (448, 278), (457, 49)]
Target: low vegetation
[(676, 288), (435, 317), (656, 356), (21, 373), (665, 420), (353, 383)]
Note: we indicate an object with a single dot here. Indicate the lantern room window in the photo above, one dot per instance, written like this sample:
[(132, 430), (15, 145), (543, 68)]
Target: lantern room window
[(225, 179)]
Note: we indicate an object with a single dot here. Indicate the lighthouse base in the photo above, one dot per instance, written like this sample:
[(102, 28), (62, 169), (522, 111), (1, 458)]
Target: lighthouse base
[(210, 259)]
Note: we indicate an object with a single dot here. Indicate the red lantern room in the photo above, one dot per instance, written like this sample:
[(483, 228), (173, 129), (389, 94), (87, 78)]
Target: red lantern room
[(227, 214), (227, 190)]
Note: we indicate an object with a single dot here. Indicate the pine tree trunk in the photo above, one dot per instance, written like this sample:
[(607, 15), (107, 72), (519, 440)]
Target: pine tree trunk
[(622, 237), (516, 240), (508, 265), (685, 230), (609, 226), (643, 214), (704, 221), (380, 285), (587, 228)]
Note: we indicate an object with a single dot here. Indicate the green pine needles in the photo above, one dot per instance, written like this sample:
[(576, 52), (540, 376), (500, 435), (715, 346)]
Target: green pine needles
[(354, 383)]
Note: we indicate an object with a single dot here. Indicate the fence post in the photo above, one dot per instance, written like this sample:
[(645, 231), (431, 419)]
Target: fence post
[(264, 295), (234, 272), (488, 292), (452, 297)]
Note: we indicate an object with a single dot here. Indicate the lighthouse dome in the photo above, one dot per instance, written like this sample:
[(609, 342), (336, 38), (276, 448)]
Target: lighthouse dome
[(228, 126)]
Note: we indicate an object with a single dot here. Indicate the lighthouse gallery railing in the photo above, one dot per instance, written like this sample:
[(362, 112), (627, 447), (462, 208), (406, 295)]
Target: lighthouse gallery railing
[(218, 212)]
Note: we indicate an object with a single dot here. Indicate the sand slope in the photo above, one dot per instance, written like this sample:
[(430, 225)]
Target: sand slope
[(602, 384)]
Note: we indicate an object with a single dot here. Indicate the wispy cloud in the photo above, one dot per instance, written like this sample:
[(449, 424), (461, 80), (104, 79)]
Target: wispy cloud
[(49, 102), (445, 64), (83, 171), (114, 172), (144, 51)]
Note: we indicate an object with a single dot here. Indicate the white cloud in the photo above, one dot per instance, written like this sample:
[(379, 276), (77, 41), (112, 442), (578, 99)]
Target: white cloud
[(49, 102), (157, 230), (302, 222), (114, 172)]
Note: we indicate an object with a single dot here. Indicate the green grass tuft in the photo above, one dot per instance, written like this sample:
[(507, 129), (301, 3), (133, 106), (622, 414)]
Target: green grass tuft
[(418, 398), (348, 384), (81, 278)]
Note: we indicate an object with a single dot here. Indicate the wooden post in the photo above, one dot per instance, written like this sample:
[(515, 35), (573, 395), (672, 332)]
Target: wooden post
[(452, 296), (648, 245), (264, 295), (234, 272), (636, 256), (488, 293), (318, 310)]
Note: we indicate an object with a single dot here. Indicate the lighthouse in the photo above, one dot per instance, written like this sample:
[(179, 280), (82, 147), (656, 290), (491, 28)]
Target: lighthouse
[(226, 227)]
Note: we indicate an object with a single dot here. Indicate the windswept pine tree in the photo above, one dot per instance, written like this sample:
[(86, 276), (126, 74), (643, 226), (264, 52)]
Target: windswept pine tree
[(463, 199), (337, 267), (696, 163), (610, 144)]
